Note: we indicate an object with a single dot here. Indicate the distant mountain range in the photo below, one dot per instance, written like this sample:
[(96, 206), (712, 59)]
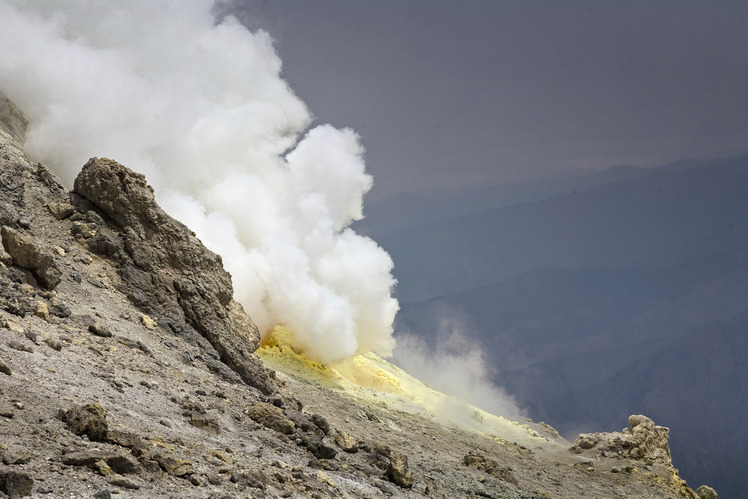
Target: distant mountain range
[(627, 296), (649, 222), (404, 210)]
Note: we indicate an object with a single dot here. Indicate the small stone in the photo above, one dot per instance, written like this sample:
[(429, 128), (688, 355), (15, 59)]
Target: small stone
[(147, 322), (124, 465), (100, 330), (83, 229), (17, 345), (85, 458), (15, 457), (31, 336), (346, 442), (42, 310), (323, 477), (103, 468), (87, 420), (205, 423), (398, 471), (5, 369), (271, 417), (102, 494), (123, 482), (175, 467), (16, 484), (53, 344), (61, 210), (706, 492), (85, 260)]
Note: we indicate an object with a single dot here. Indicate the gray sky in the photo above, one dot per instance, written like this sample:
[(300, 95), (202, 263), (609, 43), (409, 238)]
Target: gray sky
[(453, 93)]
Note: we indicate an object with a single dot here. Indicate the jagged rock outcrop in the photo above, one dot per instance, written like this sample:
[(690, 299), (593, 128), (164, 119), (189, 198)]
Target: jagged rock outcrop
[(168, 272), (642, 440)]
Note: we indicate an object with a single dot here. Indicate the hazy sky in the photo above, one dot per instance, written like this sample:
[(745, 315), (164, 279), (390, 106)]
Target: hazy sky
[(452, 93)]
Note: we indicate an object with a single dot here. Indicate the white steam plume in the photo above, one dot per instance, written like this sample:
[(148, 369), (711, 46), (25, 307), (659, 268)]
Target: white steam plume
[(454, 365), (201, 109)]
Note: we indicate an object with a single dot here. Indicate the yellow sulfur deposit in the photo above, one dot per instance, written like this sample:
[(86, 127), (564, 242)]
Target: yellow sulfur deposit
[(373, 381)]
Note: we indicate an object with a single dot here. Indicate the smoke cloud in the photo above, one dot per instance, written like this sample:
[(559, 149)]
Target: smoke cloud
[(200, 108), (454, 364)]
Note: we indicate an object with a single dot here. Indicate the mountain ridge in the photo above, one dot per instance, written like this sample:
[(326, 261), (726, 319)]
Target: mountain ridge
[(405, 209)]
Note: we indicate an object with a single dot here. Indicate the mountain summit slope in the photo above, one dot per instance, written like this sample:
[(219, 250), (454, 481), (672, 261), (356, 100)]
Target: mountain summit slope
[(126, 368)]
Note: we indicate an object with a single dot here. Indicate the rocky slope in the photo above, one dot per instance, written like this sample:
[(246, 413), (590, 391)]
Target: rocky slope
[(127, 369)]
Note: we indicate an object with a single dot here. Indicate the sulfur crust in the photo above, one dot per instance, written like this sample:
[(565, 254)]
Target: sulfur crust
[(374, 381)]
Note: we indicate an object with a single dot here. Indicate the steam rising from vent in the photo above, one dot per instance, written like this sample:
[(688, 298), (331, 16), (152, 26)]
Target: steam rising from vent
[(200, 109), (455, 365)]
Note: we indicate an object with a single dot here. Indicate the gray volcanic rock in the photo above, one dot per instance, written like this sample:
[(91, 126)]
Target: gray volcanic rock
[(28, 255), (643, 440), (168, 271), (89, 420)]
